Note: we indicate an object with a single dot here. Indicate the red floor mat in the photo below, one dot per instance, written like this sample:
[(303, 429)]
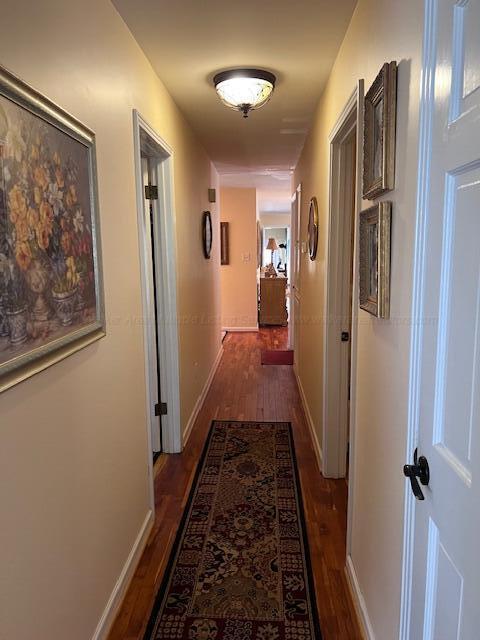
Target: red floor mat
[(277, 357)]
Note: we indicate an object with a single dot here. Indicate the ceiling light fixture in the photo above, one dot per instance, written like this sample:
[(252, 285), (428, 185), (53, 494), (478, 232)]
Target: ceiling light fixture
[(244, 89)]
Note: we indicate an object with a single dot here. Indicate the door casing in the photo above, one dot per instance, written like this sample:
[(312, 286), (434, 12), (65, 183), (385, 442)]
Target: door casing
[(340, 358), (147, 141)]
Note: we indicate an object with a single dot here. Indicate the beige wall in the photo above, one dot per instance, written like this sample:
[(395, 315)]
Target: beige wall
[(73, 465), (238, 207), (380, 30)]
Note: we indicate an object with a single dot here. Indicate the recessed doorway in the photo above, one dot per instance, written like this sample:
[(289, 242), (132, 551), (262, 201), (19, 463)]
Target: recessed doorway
[(156, 232), (340, 325)]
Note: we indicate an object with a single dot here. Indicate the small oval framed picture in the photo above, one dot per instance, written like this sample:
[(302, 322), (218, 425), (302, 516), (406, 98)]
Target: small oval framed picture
[(313, 228), (207, 234)]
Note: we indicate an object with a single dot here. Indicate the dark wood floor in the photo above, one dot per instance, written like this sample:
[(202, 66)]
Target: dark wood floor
[(243, 389)]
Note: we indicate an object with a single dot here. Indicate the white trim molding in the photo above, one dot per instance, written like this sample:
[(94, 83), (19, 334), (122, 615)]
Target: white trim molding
[(346, 113), (308, 416), (358, 600), (165, 262), (201, 398), (240, 329), (354, 331), (119, 590), (339, 303)]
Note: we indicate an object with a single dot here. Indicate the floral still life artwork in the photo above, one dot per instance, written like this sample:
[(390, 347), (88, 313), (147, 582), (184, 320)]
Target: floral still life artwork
[(48, 268)]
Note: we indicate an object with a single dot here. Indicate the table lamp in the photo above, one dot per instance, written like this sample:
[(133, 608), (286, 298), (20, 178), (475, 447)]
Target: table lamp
[(272, 246)]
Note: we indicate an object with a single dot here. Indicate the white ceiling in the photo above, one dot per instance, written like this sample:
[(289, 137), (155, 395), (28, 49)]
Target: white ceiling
[(188, 41)]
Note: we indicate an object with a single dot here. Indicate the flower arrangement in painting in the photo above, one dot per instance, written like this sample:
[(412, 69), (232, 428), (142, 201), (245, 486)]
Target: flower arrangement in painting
[(46, 259), (51, 294)]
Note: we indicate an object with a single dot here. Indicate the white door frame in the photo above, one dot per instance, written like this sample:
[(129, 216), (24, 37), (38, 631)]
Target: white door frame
[(336, 358), (165, 265), (427, 103), (294, 274), (265, 237)]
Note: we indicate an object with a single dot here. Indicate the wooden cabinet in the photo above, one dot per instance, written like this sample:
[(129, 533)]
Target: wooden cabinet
[(273, 301)]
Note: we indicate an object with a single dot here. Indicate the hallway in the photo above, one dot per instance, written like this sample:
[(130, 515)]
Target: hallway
[(243, 389), (174, 172)]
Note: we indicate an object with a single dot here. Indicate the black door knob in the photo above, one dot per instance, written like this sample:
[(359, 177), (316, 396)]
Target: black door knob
[(419, 469)]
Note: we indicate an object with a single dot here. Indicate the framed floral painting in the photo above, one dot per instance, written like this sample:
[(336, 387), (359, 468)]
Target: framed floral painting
[(51, 295)]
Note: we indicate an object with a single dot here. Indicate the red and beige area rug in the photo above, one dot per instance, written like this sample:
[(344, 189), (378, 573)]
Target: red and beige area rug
[(240, 567)]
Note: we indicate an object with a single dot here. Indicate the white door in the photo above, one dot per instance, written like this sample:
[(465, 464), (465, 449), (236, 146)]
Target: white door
[(152, 321), (445, 597)]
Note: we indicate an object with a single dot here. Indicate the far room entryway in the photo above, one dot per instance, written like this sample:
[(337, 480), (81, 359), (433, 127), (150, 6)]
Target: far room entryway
[(274, 278)]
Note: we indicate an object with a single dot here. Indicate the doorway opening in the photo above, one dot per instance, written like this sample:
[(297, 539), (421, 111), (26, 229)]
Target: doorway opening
[(156, 229), (281, 255), (340, 325), (274, 269), (150, 193)]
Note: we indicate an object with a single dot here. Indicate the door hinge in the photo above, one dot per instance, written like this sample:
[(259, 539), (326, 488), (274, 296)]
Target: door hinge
[(151, 192), (161, 409)]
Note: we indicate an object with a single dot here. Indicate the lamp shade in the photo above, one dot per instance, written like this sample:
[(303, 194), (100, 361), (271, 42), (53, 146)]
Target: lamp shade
[(272, 244)]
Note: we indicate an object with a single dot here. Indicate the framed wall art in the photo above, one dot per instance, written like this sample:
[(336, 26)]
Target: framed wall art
[(379, 133), (207, 234), (375, 225), (224, 255), (51, 294), (313, 228)]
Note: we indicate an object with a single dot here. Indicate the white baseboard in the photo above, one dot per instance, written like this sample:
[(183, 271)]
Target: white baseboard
[(249, 329), (358, 600), (308, 416), (201, 397), (116, 598)]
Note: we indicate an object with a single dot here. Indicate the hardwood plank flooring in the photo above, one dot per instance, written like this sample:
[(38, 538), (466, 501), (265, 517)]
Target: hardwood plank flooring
[(243, 389)]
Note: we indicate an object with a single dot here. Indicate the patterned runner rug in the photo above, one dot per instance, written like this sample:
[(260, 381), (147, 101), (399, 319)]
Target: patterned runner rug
[(240, 567)]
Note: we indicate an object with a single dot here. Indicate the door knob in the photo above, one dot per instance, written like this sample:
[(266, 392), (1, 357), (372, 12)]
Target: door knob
[(419, 469)]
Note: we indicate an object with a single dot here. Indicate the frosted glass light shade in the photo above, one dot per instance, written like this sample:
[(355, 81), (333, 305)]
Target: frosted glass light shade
[(244, 89)]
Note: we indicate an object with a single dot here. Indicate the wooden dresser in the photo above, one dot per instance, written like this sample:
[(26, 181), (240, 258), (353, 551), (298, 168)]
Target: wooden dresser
[(273, 301)]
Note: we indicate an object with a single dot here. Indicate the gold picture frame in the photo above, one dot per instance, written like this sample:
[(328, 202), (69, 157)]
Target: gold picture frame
[(375, 235), (51, 285), (379, 133), (224, 248)]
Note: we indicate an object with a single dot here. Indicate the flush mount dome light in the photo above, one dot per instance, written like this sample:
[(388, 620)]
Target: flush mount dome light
[(244, 89)]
